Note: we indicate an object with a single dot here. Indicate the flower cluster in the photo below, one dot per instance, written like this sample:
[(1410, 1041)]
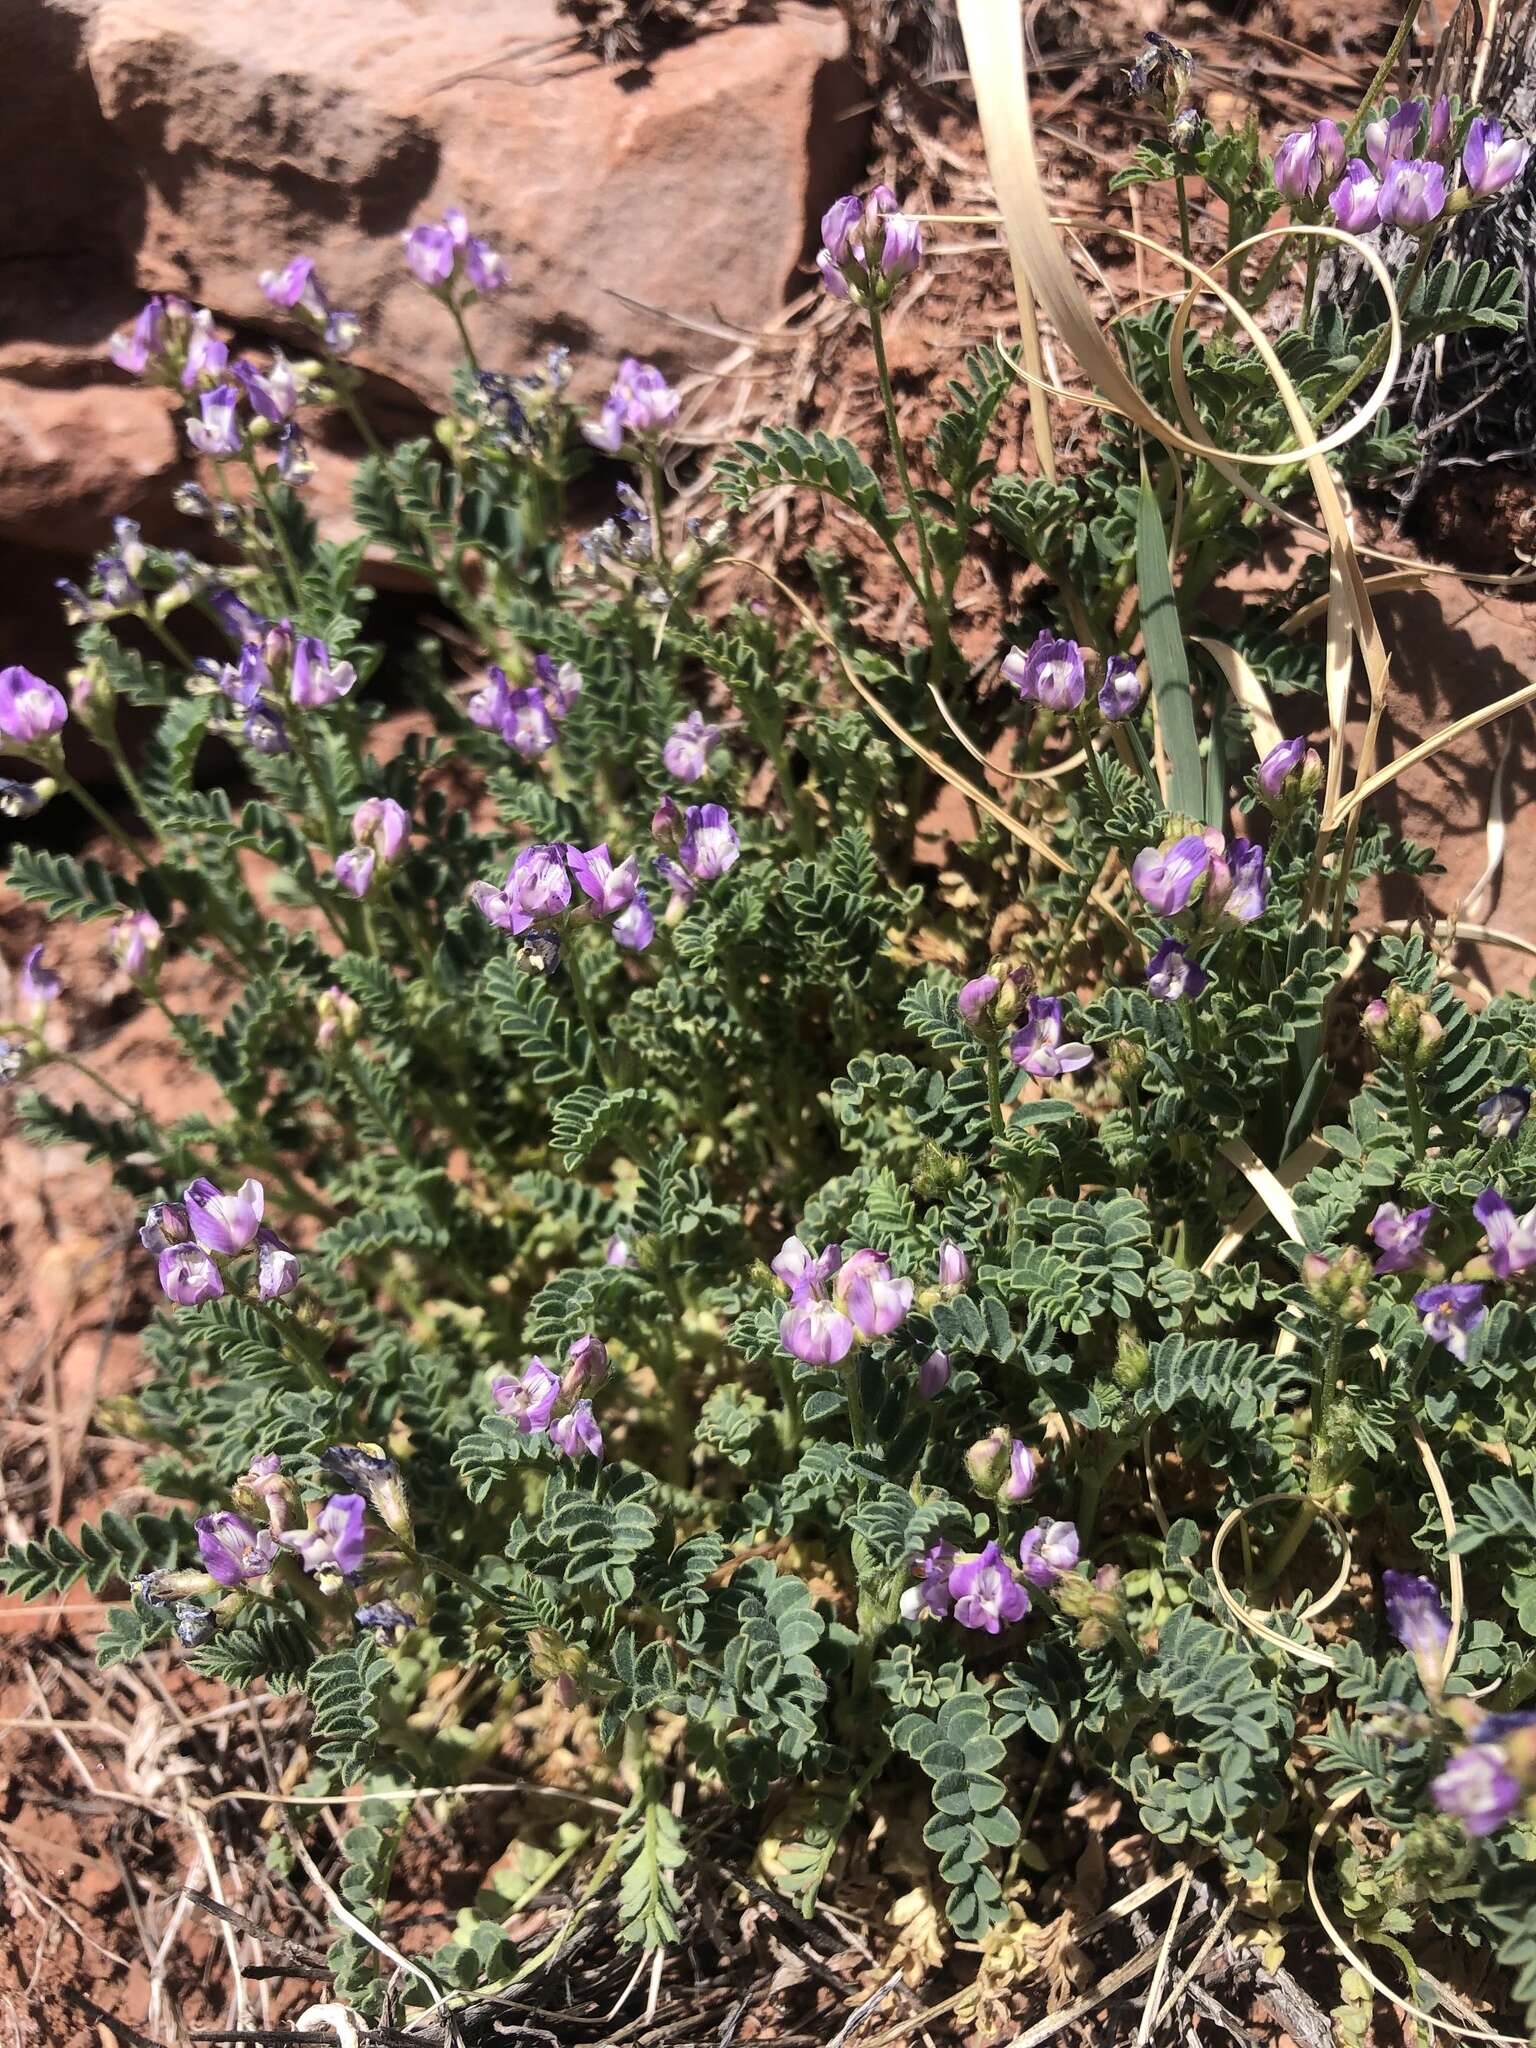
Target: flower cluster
[(1404, 178), (836, 1301), (276, 672), (197, 1239), (296, 288), (867, 247), (1196, 875), (982, 1590), (558, 1406), (639, 405), (528, 718), (444, 255)]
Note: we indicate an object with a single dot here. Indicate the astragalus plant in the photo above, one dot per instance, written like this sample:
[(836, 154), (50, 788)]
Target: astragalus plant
[(853, 1323)]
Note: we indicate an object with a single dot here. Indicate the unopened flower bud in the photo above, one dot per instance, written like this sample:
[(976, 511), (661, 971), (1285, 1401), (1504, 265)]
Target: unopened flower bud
[(265, 1490), (1338, 1283), (586, 1368), (933, 1375), (1126, 1064), (954, 1267), (666, 822), (1402, 1028), (988, 1461), (337, 1018), (1132, 1361), (975, 1003)]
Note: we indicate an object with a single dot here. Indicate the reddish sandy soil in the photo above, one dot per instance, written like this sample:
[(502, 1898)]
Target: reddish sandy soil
[(100, 1825)]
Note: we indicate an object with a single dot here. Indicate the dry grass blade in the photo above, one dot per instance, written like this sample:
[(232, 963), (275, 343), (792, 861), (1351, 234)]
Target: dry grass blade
[(1248, 691), (1427, 749)]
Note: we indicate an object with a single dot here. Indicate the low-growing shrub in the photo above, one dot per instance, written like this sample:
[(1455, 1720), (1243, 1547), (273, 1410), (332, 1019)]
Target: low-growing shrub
[(856, 1326)]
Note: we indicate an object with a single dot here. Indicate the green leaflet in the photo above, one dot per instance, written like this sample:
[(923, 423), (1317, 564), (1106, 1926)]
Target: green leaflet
[(1163, 637)]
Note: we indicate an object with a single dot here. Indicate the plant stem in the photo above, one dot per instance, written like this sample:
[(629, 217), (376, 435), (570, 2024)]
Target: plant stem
[(855, 1398), (113, 747), (321, 786), (1183, 198), (1418, 1122), (937, 617), (279, 537), (994, 1089), (588, 1015), (458, 320), (68, 1059), (1383, 73)]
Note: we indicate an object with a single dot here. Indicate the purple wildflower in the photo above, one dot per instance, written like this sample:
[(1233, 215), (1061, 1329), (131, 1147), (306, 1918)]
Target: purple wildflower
[(30, 709), (931, 1594), (1306, 158), (635, 927), (430, 253), (334, 1541), (640, 403), (1248, 896), (1051, 672), (1121, 690), (1172, 976), (188, 1276), (1354, 199), (530, 1398), (1037, 1047), (985, 1593), (384, 826), (165, 1223), (1168, 878), (1477, 1788), (1511, 1239), (617, 1252), (1049, 1551), (217, 431), (1451, 1312), (224, 1224), (1502, 1114), (315, 679), (277, 1266), (1489, 160), (538, 885), (562, 685), (295, 285), (527, 726), (36, 986), (136, 942), (975, 1000), (1416, 1614), (1387, 141), (1024, 1469), (814, 1327), (586, 1366), (1400, 1235), (132, 348), (933, 1375), (608, 888), (709, 845), (207, 358), (686, 752), (859, 238), (577, 1432), (1412, 194), (1278, 764), (354, 870), (273, 393), (875, 1301), (954, 1266), (232, 1549)]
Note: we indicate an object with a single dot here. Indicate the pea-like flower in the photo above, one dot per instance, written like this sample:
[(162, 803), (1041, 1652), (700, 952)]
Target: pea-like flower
[(1172, 976), (985, 1593), (586, 1366), (205, 360), (273, 393), (315, 678), (686, 752), (1354, 200), (1169, 879), (137, 942), (165, 1223), (609, 887), (1037, 1047), (1502, 1114), (277, 1266), (1049, 1551), (954, 1267), (1489, 159), (1400, 1235), (36, 987), (216, 431), (524, 717), (223, 1223), (1450, 1313), (1413, 194), (1278, 766), (709, 845), (295, 285), (30, 709), (814, 1328), (639, 404), (1307, 158), (577, 1434), (933, 1375), (530, 1398), (188, 1275), (1478, 1788), (976, 998), (334, 1544), (430, 254), (561, 682), (1417, 1617), (538, 886), (874, 1299), (617, 1252), (931, 1593), (1388, 140), (232, 1549), (1121, 691), (635, 927), (133, 348), (1051, 672), (1025, 1466), (1248, 897), (1511, 1238), (867, 246), (369, 1471)]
